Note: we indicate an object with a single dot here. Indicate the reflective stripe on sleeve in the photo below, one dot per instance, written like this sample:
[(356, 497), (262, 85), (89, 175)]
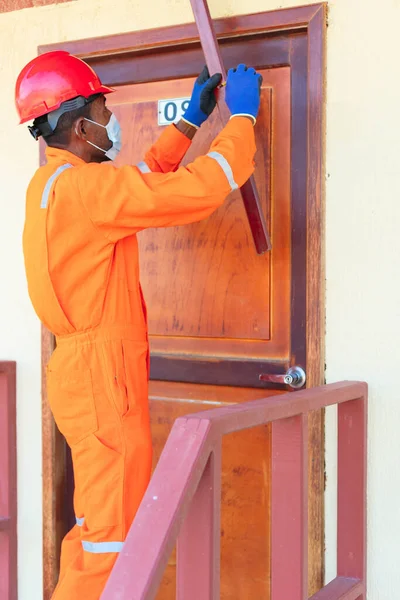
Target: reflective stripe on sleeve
[(80, 521), (225, 166), (49, 184)]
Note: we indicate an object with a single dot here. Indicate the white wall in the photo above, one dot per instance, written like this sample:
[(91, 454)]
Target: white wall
[(362, 245)]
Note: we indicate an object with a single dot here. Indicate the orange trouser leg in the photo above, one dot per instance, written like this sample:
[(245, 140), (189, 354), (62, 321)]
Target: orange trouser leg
[(85, 577), (70, 549), (111, 457), (113, 487)]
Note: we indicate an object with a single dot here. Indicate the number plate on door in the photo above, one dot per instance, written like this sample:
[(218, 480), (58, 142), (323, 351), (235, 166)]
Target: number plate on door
[(171, 110)]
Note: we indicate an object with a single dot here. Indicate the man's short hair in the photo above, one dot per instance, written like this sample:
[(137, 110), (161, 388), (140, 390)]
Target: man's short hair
[(63, 131)]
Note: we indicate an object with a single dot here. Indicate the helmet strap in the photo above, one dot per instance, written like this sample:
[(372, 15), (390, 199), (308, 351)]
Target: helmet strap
[(46, 127)]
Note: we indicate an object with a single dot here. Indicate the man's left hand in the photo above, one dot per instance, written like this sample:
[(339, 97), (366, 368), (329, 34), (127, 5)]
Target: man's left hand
[(203, 101)]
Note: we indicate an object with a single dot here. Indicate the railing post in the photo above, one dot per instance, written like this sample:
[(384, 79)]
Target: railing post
[(289, 513), (8, 483), (198, 548), (352, 486)]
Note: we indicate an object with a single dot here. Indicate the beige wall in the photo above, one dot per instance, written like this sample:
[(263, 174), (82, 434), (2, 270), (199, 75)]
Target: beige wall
[(362, 246)]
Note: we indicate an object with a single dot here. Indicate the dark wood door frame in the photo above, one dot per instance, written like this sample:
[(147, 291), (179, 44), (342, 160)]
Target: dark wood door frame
[(298, 41)]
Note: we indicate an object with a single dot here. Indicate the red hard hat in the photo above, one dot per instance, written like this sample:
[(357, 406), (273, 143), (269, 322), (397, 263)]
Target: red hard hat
[(52, 78)]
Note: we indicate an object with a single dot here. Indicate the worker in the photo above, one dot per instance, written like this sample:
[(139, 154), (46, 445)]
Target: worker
[(82, 267)]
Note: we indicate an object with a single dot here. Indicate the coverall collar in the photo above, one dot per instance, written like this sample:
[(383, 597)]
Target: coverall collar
[(63, 156)]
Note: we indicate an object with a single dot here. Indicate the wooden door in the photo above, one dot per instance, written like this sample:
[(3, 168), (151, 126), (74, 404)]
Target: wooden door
[(212, 298), (219, 314)]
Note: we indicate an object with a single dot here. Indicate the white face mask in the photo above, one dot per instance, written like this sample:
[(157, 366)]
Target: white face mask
[(114, 135)]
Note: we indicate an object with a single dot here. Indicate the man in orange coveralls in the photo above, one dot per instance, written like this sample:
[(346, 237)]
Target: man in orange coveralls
[(81, 258)]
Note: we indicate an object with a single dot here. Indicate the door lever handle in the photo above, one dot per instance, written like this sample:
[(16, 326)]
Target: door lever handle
[(295, 377)]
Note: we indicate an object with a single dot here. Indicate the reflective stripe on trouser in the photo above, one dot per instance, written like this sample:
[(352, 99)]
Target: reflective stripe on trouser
[(97, 388), (99, 547), (143, 167)]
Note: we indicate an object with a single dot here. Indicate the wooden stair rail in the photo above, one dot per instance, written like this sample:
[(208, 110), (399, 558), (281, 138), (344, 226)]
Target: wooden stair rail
[(183, 500)]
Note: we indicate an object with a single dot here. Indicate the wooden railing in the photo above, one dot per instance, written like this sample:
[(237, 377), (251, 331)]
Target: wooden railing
[(8, 482), (182, 502)]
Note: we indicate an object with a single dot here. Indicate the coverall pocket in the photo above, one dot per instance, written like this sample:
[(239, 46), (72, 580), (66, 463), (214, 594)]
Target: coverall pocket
[(99, 477), (135, 355), (71, 400)]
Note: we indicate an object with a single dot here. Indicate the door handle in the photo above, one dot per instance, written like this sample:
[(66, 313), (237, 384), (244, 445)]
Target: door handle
[(295, 377)]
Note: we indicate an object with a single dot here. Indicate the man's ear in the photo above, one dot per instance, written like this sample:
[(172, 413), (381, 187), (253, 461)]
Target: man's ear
[(80, 129)]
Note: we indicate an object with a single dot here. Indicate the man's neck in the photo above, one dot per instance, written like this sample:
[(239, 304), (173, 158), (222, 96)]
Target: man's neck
[(81, 152)]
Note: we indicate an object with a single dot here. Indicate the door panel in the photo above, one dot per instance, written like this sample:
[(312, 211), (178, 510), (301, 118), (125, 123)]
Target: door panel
[(208, 293)]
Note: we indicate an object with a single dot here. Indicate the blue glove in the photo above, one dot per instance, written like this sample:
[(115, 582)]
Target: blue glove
[(243, 90), (203, 101)]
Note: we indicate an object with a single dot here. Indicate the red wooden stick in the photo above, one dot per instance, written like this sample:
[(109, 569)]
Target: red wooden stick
[(215, 64)]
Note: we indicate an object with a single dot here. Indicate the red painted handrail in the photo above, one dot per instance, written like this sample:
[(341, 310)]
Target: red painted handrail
[(182, 502), (8, 482)]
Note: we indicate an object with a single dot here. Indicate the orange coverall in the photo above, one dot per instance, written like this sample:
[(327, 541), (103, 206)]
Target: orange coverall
[(81, 258)]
